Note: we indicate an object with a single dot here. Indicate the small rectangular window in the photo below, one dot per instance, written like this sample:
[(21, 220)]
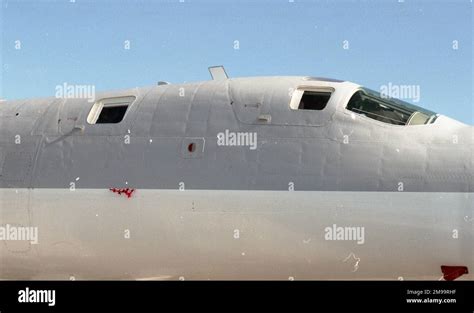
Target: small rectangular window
[(314, 100), (110, 110), (112, 115), (310, 99)]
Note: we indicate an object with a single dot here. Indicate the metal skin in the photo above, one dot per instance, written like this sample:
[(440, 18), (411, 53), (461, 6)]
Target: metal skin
[(230, 212)]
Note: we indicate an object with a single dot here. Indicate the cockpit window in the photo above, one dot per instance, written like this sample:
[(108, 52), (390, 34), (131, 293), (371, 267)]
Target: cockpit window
[(388, 110)]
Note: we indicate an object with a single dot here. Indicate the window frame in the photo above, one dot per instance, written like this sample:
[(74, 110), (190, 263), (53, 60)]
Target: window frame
[(297, 95), (98, 106), (402, 103)]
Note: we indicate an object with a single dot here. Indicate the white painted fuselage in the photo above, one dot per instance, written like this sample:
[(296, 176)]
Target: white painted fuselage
[(209, 234)]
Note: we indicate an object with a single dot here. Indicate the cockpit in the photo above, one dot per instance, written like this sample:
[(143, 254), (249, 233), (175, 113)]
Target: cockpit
[(388, 110)]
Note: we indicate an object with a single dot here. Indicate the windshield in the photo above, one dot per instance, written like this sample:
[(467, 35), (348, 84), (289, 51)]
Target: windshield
[(389, 110)]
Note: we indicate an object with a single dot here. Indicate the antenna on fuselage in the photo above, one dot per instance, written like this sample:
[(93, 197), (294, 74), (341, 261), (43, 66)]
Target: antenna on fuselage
[(218, 72)]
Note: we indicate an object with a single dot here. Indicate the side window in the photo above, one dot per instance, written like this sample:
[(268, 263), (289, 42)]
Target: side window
[(109, 110), (390, 111), (310, 100), (376, 110)]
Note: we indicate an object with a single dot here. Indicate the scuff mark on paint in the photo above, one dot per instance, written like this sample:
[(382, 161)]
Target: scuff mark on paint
[(126, 191)]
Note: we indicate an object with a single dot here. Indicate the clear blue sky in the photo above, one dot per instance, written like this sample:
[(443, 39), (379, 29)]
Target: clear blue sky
[(408, 43)]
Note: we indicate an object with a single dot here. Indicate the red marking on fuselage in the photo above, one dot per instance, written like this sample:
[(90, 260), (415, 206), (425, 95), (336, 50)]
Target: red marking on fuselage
[(126, 191), (453, 272)]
